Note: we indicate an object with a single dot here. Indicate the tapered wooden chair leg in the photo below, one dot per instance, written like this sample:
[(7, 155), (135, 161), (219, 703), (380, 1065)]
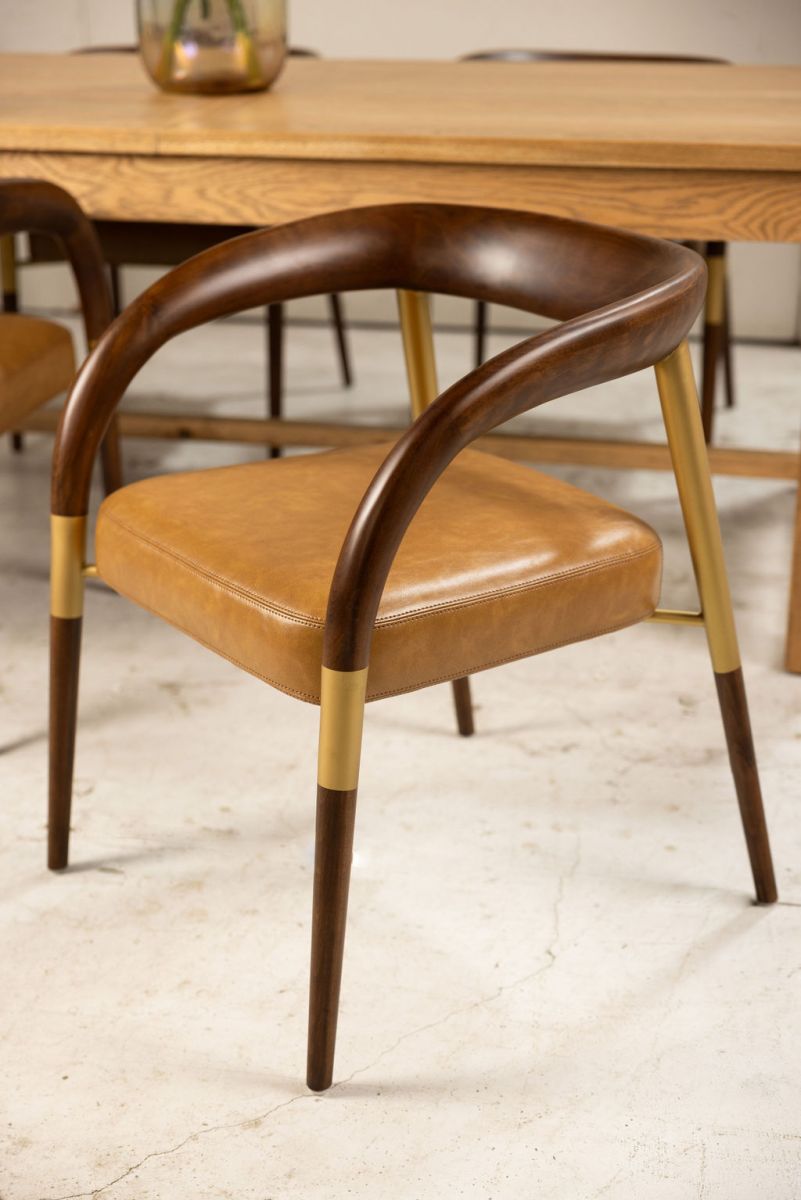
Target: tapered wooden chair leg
[(737, 725), (65, 657), (115, 281), (111, 459), (336, 813), (68, 539), (792, 648), (728, 353), (275, 368), (714, 333), (463, 704), (341, 720), (340, 333), (8, 271), (480, 333), (691, 467)]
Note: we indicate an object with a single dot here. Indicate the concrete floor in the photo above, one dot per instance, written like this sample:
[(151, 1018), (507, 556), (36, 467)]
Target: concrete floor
[(556, 983)]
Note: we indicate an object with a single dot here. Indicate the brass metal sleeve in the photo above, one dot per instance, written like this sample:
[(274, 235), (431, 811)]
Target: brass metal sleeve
[(688, 453), (67, 542), (342, 696), (418, 349)]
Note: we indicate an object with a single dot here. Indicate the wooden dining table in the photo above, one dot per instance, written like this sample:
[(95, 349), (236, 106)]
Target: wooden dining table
[(689, 151)]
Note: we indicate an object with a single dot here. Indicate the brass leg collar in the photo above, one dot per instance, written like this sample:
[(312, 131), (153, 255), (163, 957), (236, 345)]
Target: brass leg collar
[(342, 695), (67, 542)]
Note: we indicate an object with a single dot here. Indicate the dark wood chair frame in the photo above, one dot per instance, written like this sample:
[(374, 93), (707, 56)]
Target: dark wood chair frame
[(630, 307), (28, 206), (717, 340)]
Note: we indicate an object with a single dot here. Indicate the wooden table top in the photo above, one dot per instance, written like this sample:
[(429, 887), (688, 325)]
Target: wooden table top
[(547, 114)]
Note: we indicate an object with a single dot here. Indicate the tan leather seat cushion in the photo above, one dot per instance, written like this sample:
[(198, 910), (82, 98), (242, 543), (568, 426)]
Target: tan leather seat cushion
[(37, 361), (500, 562)]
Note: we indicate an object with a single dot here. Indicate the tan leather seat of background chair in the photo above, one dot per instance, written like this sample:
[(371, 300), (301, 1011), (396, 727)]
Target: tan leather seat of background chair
[(37, 359), (37, 362), (351, 574)]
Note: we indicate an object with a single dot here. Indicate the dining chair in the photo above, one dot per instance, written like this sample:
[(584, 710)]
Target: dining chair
[(347, 576), (169, 243), (37, 357), (717, 342)]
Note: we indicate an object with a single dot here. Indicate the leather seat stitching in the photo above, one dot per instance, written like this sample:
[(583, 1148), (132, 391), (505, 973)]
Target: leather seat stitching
[(314, 698), (498, 662), (210, 577), (406, 616), (513, 589)]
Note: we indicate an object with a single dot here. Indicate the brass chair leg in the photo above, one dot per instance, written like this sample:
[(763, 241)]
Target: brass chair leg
[(421, 371), (691, 467), (714, 332), (68, 536), (341, 722)]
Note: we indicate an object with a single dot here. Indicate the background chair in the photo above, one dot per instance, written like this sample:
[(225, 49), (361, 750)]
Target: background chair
[(717, 334), (348, 576), (37, 359), (167, 244)]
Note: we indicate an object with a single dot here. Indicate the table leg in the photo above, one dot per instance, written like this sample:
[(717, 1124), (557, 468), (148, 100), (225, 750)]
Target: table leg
[(792, 649)]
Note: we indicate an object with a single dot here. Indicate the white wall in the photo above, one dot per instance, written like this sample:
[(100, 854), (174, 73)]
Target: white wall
[(766, 278), (769, 31)]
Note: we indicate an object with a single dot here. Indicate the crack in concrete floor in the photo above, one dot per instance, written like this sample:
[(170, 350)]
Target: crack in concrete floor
[(551, 951)]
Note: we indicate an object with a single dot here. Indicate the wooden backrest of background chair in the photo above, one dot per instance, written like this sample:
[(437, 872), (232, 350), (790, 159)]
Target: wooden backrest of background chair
[(523, 55), (33, 206)]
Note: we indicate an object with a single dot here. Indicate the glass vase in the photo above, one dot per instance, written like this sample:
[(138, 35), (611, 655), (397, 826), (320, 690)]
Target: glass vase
[(212, 46)]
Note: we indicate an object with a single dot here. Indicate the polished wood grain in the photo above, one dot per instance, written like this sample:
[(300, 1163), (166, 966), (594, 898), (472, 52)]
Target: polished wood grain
[(700, 204), (404, 247), (555, 114)]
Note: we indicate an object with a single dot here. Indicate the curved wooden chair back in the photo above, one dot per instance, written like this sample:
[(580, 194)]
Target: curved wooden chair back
[(626, 301), (33, 206)]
